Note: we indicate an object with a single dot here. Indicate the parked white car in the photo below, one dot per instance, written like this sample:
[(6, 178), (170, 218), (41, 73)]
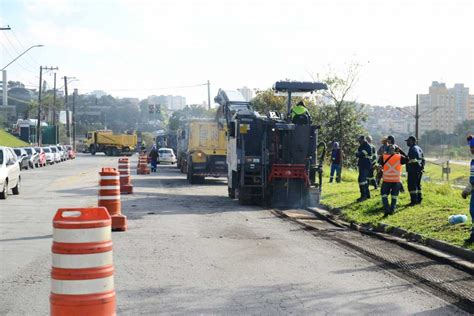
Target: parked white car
[(10, 178), (49, 155), (56, 153), (166, 155)]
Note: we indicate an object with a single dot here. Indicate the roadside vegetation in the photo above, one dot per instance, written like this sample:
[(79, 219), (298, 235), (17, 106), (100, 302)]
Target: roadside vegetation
[(430, 219), (9, 140)]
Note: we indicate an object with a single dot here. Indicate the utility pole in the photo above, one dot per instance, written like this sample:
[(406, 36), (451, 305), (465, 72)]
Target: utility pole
[(56, 130), (66, 105), (417, 118), (74, 96), (208, 95), (38, 126), (38, 123)]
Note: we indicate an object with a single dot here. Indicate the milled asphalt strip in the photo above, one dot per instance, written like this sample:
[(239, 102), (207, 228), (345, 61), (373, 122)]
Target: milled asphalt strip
[(456, 287), (436, 254)]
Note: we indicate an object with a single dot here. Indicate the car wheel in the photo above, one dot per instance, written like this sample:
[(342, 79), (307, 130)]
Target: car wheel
[(16, 190), (4, 193)]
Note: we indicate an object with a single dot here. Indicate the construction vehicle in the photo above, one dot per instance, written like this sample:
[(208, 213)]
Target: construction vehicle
[(201, 151), (109, 143), (271, 161)]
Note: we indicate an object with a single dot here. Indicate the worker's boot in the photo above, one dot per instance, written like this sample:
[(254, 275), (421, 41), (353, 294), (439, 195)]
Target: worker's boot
[(362, 194), (413, 199), (367, 191), (338, 179), (393, 206), (330, 179), (419, 198)]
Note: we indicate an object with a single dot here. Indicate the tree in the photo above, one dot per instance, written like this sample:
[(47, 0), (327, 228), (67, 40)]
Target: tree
[(342, 118)]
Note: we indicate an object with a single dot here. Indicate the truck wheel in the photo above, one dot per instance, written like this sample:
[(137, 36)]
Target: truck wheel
[(115, 152), (92, 150), (108, 151), (231, 192)]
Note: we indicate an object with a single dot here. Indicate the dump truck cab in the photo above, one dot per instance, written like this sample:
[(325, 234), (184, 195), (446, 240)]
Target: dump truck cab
[(109, 143)]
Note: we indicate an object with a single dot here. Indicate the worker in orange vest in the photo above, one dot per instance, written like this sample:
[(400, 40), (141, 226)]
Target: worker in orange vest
[(392, 176)]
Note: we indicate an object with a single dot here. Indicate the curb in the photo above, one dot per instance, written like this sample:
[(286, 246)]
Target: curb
[(456, 256)]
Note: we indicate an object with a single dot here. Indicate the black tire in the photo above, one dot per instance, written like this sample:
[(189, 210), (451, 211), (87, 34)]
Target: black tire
[(92, 150), (32, 165), (16, 189), (115, 152), (4, 193), (108, 151)]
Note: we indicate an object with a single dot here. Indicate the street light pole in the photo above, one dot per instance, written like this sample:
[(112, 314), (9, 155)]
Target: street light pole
[(21, 55), (5, 83), (417, 118)]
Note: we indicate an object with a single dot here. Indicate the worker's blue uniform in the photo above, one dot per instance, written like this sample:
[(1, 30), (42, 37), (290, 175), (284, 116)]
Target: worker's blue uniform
[(364, 153), (415, 168), (471, 206), (373, 158)]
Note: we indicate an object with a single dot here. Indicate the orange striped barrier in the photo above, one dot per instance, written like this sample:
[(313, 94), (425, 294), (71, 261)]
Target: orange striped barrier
[(126, 186), (109, 197), (82, 276), (143, 164)]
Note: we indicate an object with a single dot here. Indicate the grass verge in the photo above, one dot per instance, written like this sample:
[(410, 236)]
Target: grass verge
[(9, 140), (430, 219)]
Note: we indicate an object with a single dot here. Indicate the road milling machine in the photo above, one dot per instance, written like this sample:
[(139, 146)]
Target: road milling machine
[(271, 161)]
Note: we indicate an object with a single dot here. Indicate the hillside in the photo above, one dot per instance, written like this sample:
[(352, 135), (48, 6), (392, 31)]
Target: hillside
[(9, 140)]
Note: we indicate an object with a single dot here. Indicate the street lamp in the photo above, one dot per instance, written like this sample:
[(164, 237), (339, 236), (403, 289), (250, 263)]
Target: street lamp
[(4, 74), (39, 45), (417, 115)]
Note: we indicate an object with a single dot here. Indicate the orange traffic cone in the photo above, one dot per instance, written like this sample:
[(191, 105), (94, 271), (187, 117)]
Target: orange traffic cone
[(82, 276), (109, 197), (124, 169)]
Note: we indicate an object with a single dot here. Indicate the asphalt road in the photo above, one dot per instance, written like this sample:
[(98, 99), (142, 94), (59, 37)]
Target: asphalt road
[(191, 250)]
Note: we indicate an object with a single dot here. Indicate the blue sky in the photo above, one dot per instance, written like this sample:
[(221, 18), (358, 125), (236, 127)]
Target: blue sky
[(138, 48)]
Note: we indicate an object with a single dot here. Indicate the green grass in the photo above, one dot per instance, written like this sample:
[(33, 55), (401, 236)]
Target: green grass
[(430, 219), (9, 140)]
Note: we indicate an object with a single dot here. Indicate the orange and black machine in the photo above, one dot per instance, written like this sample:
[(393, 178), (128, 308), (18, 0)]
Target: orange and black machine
[(272, 161)]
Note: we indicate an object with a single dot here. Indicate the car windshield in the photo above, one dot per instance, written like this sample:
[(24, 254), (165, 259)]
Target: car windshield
[(46, 150), (1, 157), (38, 150), (29, 151), (17, 152), (53, 149), (165, 151)]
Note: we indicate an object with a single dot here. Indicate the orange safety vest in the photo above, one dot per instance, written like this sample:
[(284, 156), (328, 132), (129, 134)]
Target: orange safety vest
[(392, 169)]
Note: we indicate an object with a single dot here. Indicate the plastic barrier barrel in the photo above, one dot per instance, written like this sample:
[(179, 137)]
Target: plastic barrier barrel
[(82, 276), (109, 197), (126, 186), (143, 164)]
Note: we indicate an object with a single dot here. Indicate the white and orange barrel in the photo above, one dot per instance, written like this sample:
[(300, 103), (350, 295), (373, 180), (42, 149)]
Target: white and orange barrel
[(109, 197), (143, 164), (126, 186), (82, 276)]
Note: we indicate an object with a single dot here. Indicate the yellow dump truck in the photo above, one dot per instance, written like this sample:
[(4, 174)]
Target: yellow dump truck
[(109, 143), (202, 149)]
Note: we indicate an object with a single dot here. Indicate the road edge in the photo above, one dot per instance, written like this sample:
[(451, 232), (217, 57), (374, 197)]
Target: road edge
[(435, 249)]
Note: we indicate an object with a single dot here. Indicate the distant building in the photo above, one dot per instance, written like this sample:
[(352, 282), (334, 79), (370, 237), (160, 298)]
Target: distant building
[(443, 108), (247, 93), (98, 93), (171, 102)]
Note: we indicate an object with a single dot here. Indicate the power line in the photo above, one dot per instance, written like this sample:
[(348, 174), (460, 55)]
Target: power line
[(17, 63), (151, 89), (24, 47), (18, 52), (15, 53)]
